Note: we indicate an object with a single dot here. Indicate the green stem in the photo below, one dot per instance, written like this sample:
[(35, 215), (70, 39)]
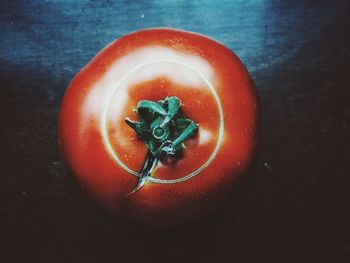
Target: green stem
[(148, 167), (164, 128)]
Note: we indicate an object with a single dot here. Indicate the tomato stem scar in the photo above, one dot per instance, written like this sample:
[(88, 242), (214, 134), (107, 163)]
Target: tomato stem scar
[(164, 128)]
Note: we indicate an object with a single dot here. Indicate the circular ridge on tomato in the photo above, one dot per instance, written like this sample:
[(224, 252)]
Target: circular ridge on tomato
[(159, 125)]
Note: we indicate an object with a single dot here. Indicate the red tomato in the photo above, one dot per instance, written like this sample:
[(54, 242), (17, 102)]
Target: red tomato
[(171, 83)]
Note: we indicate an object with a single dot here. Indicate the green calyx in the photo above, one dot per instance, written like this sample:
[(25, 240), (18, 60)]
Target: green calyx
[(163, 127)]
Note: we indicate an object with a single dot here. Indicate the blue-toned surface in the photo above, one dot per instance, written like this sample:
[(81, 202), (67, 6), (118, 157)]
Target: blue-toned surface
[(292, 208), (36, 34)]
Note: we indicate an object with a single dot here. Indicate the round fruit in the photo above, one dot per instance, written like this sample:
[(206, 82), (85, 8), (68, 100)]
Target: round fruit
[(159, 125)]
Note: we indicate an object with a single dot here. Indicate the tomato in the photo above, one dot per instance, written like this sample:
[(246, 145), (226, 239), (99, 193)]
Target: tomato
[(159, 125)]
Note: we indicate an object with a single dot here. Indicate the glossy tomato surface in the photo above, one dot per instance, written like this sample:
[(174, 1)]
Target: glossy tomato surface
[(106, 155)]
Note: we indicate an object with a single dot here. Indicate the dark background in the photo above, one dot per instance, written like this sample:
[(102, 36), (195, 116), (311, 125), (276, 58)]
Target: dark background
[(292, 207)]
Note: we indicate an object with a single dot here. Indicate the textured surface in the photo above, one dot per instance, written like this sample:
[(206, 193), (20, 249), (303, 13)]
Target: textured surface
[(293, 207)]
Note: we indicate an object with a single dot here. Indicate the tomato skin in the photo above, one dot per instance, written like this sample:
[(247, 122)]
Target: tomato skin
[(151, 65)]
